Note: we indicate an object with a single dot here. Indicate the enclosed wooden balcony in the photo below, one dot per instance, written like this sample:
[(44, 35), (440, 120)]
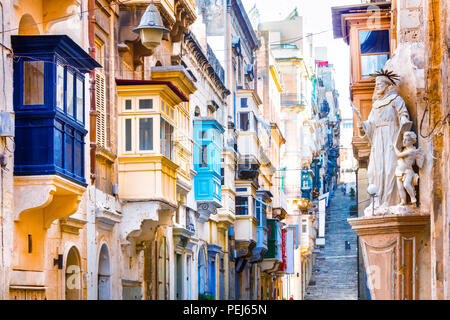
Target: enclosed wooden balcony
[(147, 170)]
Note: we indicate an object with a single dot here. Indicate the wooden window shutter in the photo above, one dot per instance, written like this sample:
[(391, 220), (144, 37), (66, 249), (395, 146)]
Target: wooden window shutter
[(100, 102)]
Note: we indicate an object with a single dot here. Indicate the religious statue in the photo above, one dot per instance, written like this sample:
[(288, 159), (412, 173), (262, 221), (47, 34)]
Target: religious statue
[(388, 119), (406, 177)]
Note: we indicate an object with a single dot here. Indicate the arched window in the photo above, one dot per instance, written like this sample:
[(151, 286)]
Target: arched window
[(104, 274), (163, 270), (73, 275)]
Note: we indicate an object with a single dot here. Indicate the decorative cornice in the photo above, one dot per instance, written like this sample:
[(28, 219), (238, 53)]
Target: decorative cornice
[(201, 58)]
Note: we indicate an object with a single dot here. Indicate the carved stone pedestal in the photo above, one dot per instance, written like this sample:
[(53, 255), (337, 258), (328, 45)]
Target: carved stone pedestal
[(390, 248)]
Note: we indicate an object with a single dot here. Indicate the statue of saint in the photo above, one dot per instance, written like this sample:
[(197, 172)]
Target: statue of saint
[(388, 119)]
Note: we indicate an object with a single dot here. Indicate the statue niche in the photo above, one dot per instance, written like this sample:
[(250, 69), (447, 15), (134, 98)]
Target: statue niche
[(390, 169)]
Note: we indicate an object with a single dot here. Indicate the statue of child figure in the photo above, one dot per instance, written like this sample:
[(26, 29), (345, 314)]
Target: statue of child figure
[(406, 177)]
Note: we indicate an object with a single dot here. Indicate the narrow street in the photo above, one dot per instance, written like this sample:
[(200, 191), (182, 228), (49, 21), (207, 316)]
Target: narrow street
[(335, 274)]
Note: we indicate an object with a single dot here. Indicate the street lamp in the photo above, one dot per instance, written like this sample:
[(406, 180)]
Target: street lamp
[(372, 190), (151, 28)]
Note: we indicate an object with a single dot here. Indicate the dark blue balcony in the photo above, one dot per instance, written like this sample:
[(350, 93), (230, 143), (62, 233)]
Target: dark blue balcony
[(49, 105)]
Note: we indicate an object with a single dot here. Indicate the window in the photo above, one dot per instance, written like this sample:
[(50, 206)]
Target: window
[(69, 94), (244, 121), (128, 104), (145, 104), (128, 131), (100, 105), (244, 103), (261, 213), (166, 139), (304, 228), (80, 99), (60, 87), (100, 52), (33, 82), (374, 46), (241, 206), (222, 174), (145, 134), (204, 156)]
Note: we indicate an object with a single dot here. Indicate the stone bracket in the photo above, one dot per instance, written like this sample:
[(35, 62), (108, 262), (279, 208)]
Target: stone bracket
[(133, 216), (58, 197), (72, 225), (107, 218)]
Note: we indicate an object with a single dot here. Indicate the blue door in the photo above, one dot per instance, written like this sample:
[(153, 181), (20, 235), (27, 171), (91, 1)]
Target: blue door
[(212, 278)]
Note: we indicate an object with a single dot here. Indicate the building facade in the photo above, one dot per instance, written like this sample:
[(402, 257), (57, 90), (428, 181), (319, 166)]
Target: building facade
[(413, 47), (158, 150)]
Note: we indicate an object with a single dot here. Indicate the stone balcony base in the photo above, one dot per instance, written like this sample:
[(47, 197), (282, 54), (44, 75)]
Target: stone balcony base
[(392, 246)]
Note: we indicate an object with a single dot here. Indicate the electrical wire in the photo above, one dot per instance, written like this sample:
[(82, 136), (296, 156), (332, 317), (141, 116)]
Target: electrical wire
[(440, 122)]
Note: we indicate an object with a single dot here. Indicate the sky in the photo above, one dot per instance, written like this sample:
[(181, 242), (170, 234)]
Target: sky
[(316, 18)]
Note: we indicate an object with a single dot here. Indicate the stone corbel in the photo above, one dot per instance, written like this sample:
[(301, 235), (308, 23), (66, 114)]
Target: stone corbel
[(204, 210), (244, 249), (56, 196), (133, 216), (270, 265), (107, 218), (72, 225), (181, 238)]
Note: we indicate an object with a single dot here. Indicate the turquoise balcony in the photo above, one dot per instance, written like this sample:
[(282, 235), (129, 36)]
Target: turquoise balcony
[(262, 229), (207, 155)]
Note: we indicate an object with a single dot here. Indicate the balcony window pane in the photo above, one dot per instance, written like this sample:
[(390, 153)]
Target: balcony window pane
[(70, 94), (80, 105), (244, 121), (374, 41), (145, 104), (241, 206), (128, 134), (203, 156), (244, 103), (33, 82), (166, 139), (60, 87), (372, 63), (146, 134), (127, 104)]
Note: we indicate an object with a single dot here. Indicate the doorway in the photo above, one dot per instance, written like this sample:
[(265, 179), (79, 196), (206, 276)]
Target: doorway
[(104, 274)]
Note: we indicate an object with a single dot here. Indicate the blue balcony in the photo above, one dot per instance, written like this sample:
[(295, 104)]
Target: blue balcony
[(207, 157), (49, 105), (261, 229)]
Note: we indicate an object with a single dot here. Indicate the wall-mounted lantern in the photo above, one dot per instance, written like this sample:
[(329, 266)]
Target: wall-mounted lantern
[(151, 28)]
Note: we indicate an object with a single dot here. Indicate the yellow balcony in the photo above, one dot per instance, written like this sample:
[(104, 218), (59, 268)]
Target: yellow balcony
[(147, 123), (147, 178)]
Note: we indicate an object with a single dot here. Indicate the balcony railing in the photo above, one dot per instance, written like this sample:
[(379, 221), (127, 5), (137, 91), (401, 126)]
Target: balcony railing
[(215, 63), (293, 99), (280, 200)]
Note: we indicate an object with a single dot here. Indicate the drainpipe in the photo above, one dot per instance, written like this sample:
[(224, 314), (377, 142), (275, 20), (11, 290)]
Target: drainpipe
[(93, 109)]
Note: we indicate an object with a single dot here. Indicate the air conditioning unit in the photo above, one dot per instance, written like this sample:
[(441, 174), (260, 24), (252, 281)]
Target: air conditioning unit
[(6, 124)]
